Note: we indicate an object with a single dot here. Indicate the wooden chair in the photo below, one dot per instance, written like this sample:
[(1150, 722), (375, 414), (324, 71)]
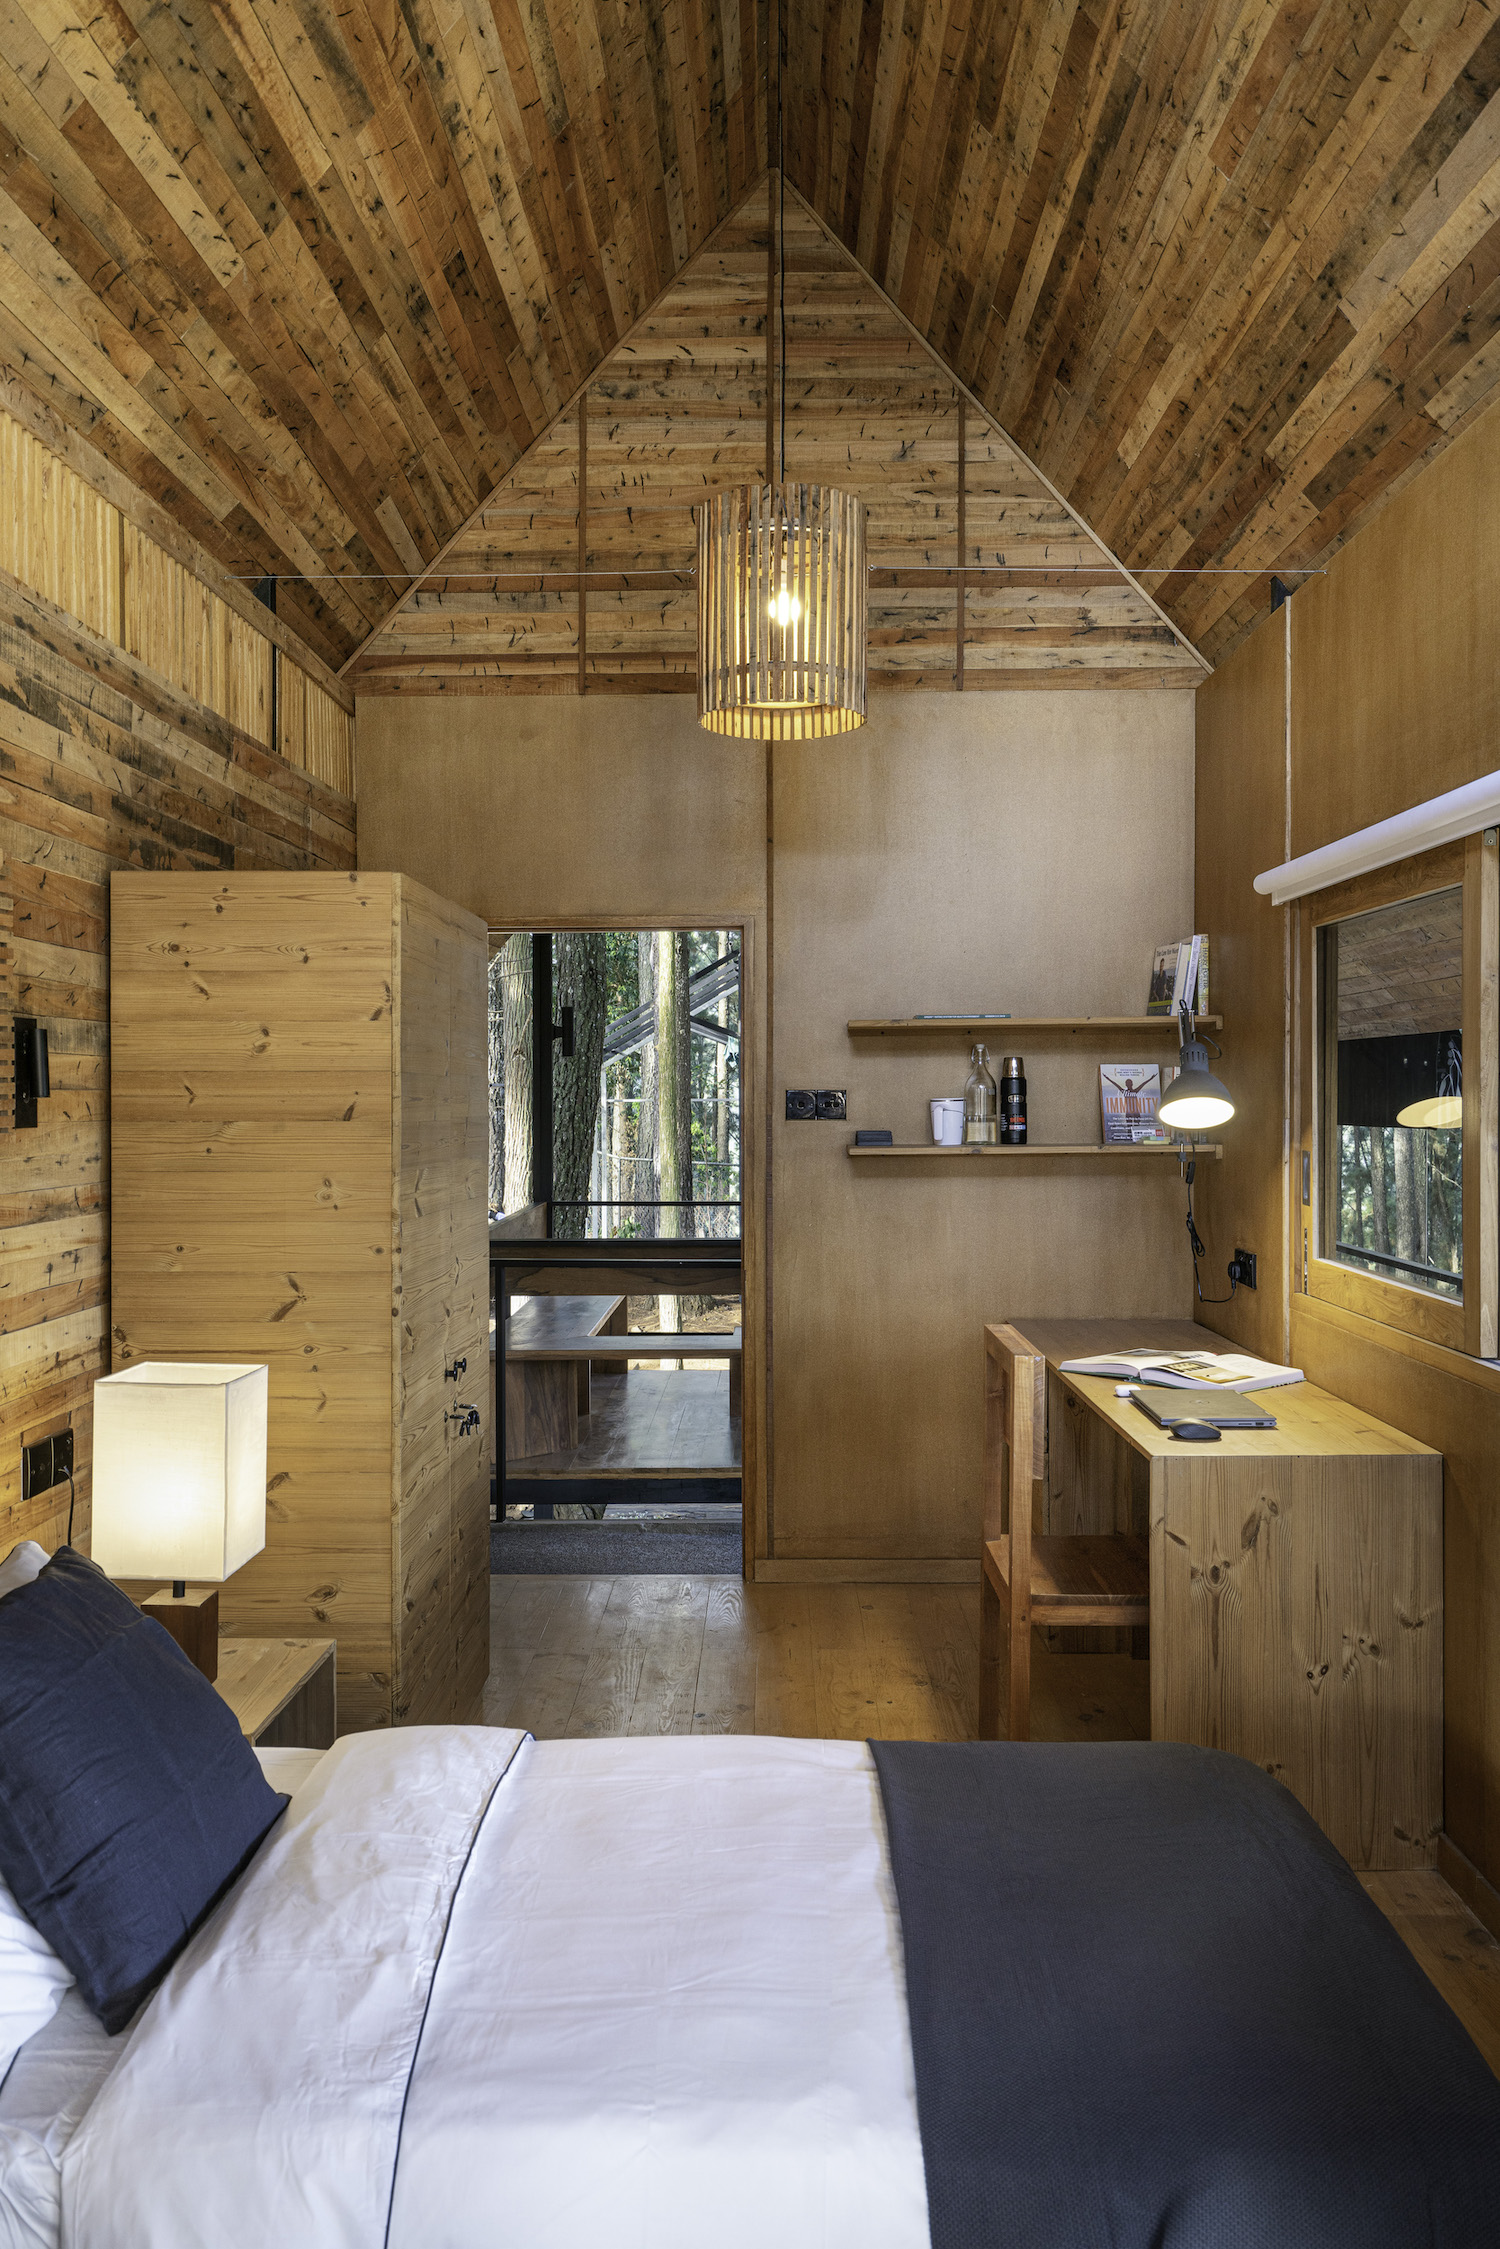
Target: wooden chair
[(1027, 1579)]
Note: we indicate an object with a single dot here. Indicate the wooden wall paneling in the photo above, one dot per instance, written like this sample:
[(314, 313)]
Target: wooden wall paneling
[(103, 763), (683, 406), (1397, 681), (1337, 264), (288, 1155), (133, 505), (1010, 852), (440, 1578), (425, 234), (56, 534), (1243, 1202)]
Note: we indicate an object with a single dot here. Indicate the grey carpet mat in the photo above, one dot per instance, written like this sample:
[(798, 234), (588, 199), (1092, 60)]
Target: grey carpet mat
[(607, 1550)]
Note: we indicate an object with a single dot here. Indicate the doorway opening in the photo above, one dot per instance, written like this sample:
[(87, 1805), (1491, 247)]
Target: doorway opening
[(615, 1204)]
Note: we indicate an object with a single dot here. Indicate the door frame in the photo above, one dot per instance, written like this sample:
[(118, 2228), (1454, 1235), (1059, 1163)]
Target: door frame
[(755, 1263)]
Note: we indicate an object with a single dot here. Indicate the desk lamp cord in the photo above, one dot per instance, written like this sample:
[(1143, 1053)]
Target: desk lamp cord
[(1195, 1239)]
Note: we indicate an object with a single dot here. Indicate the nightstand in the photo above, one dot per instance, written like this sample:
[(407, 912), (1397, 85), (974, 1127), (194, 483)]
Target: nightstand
[(281, 1691)]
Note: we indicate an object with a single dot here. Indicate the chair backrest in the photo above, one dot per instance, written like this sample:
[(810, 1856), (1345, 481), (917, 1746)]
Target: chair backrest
[(1016, 1401)]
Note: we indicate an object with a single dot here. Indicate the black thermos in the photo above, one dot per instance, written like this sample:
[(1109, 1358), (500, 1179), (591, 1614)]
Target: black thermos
[(1013, 1101)]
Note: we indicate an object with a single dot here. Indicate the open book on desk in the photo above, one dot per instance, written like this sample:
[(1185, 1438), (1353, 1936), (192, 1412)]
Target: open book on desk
[(1186, 1370)]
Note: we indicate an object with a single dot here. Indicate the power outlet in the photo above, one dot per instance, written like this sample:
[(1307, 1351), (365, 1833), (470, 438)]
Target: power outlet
[(834, 1104), (47, 1461), (1242, 1268), (800, 1105)]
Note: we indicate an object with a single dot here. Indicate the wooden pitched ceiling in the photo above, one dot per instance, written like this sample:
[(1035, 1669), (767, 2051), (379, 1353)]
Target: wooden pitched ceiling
[(1227, 270), (317, 277), (577, 574)]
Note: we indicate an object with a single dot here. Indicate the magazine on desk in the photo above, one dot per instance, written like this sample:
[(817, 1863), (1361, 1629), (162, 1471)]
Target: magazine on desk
[(1186, 1370)]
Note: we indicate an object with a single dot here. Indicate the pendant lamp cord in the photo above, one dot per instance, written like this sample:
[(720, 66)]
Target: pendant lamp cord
[(781, 217)]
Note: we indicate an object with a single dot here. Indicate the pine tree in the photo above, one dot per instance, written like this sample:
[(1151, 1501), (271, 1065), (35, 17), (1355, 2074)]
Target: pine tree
[(515, 984), (580, 983)]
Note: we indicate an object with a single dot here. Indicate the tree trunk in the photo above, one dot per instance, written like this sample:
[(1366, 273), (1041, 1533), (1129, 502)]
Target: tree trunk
[(1408, 1235), (497, 1085), (647, 1176), (579, 983), (1379, 1199), (515, 985), (721, 1079)]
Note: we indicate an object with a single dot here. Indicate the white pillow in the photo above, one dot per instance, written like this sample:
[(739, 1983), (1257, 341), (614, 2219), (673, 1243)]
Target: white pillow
[(32, 1980), (22, 1564)]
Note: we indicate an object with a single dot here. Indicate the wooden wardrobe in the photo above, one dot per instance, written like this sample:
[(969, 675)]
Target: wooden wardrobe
[(300, 1152)]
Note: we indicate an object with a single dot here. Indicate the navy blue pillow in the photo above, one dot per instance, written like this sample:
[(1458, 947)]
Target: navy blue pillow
[(129, 1798)]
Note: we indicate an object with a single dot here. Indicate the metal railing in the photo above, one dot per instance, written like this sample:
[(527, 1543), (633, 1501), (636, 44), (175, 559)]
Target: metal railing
[(1402, 1264)]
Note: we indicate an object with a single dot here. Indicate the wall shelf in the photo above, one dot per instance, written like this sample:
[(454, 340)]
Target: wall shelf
[(925, 1149), (1001, 1026)]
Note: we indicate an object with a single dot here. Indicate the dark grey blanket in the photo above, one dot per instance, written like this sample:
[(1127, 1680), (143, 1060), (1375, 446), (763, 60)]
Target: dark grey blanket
[(1151, 2008)]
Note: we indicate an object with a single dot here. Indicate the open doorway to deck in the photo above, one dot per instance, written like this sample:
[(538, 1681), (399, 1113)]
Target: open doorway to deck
[(615, 1197)]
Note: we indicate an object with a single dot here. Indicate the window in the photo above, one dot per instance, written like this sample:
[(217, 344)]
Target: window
[(1407, 1219), (1393, 982)]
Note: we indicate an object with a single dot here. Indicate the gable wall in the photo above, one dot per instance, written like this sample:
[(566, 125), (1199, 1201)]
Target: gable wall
[(1016, 851)]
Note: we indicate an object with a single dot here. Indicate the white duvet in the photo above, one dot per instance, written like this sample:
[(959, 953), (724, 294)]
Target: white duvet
[(638, 1994)]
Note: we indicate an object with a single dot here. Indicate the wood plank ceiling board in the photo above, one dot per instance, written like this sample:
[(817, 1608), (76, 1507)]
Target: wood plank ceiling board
[(315, 279), (678, 409), (1228, 274)]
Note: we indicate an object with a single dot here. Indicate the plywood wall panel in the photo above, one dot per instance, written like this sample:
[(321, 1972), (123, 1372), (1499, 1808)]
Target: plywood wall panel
[(1005, 850), (1397, 695), (1013, 853), (1239, 805)]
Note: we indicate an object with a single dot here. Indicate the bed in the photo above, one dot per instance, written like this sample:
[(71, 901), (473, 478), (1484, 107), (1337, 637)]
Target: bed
[(819, 1995)]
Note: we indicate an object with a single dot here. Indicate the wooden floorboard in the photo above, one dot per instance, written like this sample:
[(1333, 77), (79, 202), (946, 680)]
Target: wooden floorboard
[(576, 1656)]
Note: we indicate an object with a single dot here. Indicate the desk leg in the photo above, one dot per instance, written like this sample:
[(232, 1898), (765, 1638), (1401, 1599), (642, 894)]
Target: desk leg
[(989, 1661)]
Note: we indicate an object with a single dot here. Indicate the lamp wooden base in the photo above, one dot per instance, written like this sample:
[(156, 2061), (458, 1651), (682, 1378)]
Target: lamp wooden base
[(193, 1622)]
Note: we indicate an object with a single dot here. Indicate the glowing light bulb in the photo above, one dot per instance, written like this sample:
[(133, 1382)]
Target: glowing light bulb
[(785, 607)]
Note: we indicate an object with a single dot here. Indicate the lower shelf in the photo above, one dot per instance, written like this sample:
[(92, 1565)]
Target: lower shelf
[(1036, 1148)]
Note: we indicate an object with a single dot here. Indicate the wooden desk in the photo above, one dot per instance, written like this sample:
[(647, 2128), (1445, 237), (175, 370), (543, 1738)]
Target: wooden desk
[(1296, 1584)]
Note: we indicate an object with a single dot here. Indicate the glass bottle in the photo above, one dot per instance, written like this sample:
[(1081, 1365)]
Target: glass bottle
[(981, 1104)]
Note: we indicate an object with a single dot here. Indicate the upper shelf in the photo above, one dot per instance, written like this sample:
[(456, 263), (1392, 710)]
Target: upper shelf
[(1112, 1026)]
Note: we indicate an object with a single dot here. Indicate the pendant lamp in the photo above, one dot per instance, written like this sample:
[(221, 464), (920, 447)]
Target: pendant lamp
[(781, 612), (782, 585)]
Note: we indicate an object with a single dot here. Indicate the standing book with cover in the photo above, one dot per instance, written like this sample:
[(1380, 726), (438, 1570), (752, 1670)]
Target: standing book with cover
[(1187, 981), (1129, 1097), (1159, 998)]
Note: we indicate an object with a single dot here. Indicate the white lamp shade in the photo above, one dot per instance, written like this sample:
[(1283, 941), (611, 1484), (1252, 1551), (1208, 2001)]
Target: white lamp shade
[(179, 1470)]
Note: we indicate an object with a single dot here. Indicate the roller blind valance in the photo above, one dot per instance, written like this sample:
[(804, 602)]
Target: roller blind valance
[(1444, 819)]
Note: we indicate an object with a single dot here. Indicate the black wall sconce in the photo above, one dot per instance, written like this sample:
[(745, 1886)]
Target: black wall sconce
[(33, 1078)]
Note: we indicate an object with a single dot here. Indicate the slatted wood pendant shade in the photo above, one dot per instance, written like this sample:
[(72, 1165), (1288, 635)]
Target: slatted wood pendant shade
[(781, 612)]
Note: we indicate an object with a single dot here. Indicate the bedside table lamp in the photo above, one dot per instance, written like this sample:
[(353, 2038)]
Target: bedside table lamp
[(180, 1487)]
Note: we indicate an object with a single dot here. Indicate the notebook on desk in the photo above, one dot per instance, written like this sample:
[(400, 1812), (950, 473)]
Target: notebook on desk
[(1166, 1407)]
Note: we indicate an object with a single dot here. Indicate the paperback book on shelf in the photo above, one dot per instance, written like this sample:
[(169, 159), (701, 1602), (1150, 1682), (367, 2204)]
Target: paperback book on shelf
[(1179, 971), (1187, 1370), (1129, 1097)]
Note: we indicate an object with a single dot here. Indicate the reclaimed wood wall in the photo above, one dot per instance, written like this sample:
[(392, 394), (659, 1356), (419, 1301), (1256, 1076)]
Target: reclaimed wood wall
[(577, 576), (132, 734), (1228, 274), (313, 277)]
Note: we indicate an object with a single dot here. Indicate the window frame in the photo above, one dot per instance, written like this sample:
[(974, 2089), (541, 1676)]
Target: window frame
[(1471, 865)]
